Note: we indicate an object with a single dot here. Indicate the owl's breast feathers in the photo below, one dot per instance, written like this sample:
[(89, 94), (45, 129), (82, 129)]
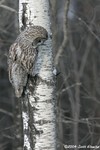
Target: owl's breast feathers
[(23, 55)]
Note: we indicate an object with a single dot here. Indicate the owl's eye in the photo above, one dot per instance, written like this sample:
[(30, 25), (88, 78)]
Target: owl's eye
[(39, 41), (32, 43)]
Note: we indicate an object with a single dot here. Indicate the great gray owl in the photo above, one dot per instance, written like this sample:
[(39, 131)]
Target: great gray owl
[(22, 56)]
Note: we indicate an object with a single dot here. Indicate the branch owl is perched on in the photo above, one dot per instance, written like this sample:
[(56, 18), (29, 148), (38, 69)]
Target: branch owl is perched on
[(22, 56)]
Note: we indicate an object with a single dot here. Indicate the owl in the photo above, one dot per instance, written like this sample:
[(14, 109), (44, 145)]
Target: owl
[(22, 56)]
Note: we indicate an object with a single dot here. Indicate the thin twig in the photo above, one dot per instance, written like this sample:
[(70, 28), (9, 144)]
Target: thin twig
[(8, 8)]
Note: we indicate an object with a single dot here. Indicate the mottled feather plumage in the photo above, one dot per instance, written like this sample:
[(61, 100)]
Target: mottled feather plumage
[(22, 56)]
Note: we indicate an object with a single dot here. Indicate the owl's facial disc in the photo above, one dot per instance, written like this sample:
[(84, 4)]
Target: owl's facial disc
[(37, 42)]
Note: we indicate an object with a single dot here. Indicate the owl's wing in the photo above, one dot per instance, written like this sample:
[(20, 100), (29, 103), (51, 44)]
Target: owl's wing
[(23, 55), (12, 57), (17, 74), (17, 77), (10, 70), (15, 52)]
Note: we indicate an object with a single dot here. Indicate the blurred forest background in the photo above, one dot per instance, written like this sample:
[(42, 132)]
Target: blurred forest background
[(76, 45)]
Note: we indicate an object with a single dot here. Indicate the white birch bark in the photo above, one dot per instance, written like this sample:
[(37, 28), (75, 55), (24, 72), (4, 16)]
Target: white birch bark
[(43, 99)]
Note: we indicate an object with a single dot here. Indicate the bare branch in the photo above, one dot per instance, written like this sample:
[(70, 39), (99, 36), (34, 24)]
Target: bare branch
[(8, 8)]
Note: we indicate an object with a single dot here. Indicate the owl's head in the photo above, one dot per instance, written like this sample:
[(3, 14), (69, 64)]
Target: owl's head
[(37, 34)]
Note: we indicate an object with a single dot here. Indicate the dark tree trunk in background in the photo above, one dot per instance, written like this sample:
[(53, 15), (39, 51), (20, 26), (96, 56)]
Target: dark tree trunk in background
[(8, 33)]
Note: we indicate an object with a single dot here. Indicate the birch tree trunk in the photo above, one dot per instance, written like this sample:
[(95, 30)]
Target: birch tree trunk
[(38, 108)]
